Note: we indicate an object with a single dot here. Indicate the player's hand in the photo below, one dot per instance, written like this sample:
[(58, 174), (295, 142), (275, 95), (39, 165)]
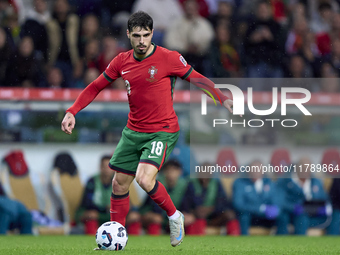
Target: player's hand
[(229, 105), (67, 125)]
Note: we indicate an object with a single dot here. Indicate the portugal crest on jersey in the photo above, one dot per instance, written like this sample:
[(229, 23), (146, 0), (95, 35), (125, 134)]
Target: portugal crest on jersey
[(152, 71)]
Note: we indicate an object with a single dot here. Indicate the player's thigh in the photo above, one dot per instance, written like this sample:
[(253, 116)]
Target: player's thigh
[(157, 148), (126, 157), (146, 174)]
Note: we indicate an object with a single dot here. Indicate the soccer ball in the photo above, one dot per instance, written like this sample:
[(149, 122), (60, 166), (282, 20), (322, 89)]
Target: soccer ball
[(111, 236)]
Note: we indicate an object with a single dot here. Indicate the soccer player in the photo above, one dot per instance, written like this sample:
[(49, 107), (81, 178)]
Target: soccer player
[(149, 72)]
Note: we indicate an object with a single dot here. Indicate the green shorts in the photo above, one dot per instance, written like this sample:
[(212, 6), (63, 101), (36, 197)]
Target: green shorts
[(136, 147)]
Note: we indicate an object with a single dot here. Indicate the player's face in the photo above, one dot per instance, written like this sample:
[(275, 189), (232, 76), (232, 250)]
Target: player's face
[(140, 40)]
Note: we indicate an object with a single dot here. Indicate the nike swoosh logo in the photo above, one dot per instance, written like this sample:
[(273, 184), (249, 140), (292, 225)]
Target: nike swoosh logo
[(180, 235), (152, 156), (125, 72)]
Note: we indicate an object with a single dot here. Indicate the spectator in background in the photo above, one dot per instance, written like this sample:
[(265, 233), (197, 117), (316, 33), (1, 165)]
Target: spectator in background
[(255, 200), (297, 35), (191, 36), (114, 8), (13, 214), (90, 30), (34, 23), (330, 85), (335, 55), (85, 7), (163, 13), (304, 201), (310, 53), (37, 10), (181, 193), (63, 31), (23, 68), (5, 10), (213, 207), (54, 78), (224, 14), (224, 59), (296, 9), (91, 53), (335, 30), (5, 54), (110, 49), (203, 8), (298, 68), (12, 27), (264, 45), (90, 75), (279, 11), (300, 39), (94, 208), (321, 25), (334, 193)]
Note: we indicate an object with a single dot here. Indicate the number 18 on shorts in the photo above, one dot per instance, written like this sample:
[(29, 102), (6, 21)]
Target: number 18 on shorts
[(136, 147)]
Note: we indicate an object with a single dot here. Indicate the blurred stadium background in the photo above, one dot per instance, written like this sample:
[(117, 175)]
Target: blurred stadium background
[(50, 50)]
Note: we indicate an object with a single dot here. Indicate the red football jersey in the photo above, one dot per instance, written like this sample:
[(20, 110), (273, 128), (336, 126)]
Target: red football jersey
[(150, 83)]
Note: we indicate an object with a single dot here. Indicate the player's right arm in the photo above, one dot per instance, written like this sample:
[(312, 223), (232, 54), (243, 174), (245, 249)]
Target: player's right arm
[(83, 100), (89, 94)]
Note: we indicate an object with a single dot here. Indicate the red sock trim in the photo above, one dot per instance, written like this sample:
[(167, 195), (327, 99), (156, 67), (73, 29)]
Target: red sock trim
[(119, 209), (162, 198)]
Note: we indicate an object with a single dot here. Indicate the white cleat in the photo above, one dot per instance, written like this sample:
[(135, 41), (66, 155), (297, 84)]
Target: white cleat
[(177, 230)]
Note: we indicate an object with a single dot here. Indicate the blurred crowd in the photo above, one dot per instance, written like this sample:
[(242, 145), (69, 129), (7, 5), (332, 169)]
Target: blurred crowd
[(294, 204), (223, 206), (68, 43)]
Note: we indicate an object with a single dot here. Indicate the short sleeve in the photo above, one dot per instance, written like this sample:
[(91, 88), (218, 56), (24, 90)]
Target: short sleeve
[(178, 65), (112, 71)]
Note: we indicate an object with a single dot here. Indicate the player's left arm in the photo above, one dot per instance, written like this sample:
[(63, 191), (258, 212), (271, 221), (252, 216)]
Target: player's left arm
[(207, 85), (179, 67)]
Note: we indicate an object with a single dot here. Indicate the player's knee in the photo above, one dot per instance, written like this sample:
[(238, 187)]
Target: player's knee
[(145, 183), (119, 188)]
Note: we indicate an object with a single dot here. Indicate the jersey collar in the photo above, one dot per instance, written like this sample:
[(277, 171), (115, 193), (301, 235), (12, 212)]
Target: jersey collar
[(154, 49)]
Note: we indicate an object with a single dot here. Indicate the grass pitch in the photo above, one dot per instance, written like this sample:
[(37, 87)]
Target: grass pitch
[(48, 245)]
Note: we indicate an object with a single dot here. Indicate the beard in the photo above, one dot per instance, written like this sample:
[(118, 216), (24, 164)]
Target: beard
[(141, 51)]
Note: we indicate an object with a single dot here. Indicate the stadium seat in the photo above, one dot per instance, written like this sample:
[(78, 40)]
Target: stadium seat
[(16, 180), (66, 187), (226, 157), (330, 156), (280, 156)]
